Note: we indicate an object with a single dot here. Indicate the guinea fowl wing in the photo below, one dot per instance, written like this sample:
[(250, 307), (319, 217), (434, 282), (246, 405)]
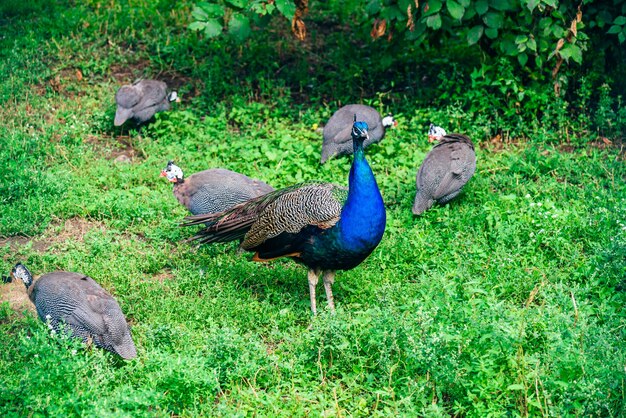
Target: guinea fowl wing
[(154, 93), (338, 136), (90, 306)]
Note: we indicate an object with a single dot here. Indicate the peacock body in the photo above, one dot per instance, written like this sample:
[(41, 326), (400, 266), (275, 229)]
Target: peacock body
[(324, 226)]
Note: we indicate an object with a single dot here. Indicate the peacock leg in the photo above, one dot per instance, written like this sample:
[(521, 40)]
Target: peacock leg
[(313, 277), (329, 279)]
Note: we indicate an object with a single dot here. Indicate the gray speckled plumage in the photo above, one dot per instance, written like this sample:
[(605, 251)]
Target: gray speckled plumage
[(337, 131), (215, 190), (141, 100), (444, 172), (87, 309)]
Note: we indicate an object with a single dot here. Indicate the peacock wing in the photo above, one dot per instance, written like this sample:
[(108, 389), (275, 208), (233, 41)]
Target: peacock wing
[(313, 204)]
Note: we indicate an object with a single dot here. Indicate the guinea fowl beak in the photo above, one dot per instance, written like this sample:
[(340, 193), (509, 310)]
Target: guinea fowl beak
[(163, 173)]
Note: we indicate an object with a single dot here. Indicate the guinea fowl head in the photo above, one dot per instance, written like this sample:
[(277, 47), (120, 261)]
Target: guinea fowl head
[(172, 172), (173, 97), (435, 133), (21, 272), (389, 121)]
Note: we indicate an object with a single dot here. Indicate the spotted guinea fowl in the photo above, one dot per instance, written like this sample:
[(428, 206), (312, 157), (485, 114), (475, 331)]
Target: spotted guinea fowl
[(79, 302), (321, 225), (445, 170), (213, 190), (337, 132), (141, 100)]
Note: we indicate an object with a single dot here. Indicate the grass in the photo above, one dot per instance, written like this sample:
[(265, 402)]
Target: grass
[(507, 302)]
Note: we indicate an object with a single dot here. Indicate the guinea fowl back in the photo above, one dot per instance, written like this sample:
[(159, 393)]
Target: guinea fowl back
[(91, 313), (217, 189), (445, 170)]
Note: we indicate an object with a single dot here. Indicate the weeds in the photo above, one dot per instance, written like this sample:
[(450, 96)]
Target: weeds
[(507, 301)]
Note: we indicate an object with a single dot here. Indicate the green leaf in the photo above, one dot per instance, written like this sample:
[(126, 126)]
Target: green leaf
[(532, 44), (532, 4), (196, 26), (620, 20), (503, 4), (286, 7), (373, 7), (614, 29), (474, 34), (434, 21), (521, 39), (493, 19), (199, 14), (621, 37), (213, 28), (434, 6), (455, 9), (491, 33), (515, 386), (465, 3), (211, 10), (522, 59), (551, 3), (539, 61), (571, 51), (237, 3), (239, 26), (481, 6)]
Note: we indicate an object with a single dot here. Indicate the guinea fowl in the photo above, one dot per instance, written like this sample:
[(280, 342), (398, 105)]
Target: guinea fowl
[(337, 132), (321, 225), (141, 100), (82, 305), (214, 190), (445, 170)]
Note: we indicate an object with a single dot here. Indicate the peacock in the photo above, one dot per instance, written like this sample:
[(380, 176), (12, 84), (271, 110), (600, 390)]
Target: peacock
[(324, 226)]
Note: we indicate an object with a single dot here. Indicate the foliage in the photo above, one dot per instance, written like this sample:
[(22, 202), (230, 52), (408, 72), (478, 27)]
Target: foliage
[(508, 301)]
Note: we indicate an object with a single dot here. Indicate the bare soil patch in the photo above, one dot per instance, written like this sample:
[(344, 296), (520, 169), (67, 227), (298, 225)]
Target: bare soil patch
[(129, 72), (118, 148), (161, 277), (57, 232), (15, 294)]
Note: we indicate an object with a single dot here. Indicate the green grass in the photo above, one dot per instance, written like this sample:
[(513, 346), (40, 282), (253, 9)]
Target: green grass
[(507, 302)]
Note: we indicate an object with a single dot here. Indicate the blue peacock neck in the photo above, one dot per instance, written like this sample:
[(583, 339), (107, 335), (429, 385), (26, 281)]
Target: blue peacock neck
[(363, 217)]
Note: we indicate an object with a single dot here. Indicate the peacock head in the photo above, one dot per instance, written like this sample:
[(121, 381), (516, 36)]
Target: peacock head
[(359, 130), (389, 121), (435, 133), (21, 272), (172, 172)]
